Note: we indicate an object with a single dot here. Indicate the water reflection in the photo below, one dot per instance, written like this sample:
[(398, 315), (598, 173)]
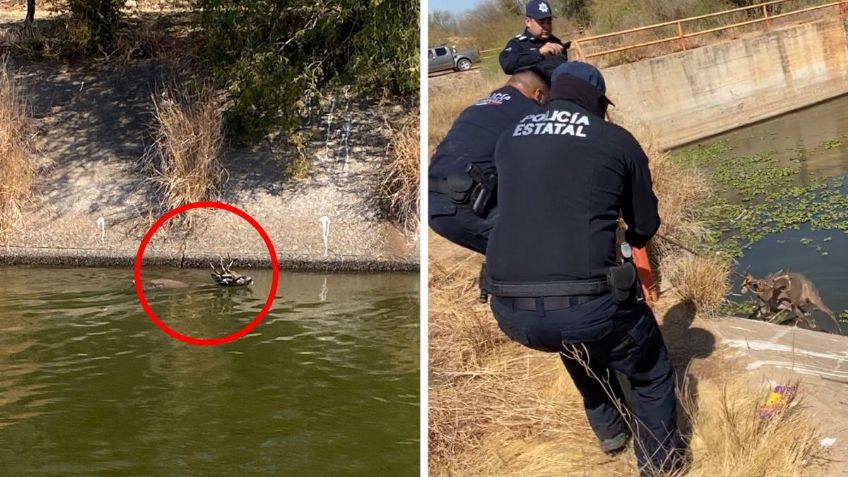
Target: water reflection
[(801, 135)]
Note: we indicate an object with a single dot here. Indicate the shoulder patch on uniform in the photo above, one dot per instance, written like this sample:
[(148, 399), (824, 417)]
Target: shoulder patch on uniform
[(494, 99), (508, 49), (521, 37)]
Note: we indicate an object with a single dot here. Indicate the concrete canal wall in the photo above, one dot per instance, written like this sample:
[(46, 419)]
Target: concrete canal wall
[(687, 96)]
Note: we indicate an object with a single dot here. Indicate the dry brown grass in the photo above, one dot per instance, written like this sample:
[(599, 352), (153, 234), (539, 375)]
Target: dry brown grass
[(400, 182), (453, 94), (17, 165), (461, 330), (184, 159), (730, 439), (497, 408), (703, 281), (8, 38)]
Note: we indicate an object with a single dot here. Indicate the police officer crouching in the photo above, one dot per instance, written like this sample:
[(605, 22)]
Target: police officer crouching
[(462, 176), (537, 48), (565, 177)]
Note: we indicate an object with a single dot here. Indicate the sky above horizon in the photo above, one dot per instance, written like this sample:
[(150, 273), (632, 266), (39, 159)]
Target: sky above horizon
[(453, 6)]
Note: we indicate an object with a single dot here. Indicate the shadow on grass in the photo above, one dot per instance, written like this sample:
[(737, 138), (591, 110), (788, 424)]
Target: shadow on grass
[(686, 343)]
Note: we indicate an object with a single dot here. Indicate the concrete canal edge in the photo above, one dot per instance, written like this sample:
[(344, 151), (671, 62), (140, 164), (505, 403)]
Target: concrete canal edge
[(687, 96), (773, 354), (87, 257)]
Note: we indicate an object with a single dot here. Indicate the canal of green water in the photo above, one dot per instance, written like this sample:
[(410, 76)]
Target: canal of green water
[(327, 384), (782, 197)]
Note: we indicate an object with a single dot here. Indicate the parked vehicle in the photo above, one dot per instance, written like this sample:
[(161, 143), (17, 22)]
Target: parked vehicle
[(443, 57)]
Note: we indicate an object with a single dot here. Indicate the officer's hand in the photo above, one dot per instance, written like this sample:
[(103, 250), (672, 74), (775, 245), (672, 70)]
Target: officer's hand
[(551, 49)]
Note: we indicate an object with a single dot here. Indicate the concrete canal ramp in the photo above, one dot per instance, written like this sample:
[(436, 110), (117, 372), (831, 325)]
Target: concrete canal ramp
[(687, 96), (784, 355)]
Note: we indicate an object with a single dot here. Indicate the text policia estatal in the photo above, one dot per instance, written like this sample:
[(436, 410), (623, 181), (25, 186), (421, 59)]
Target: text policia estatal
[(552, 122)]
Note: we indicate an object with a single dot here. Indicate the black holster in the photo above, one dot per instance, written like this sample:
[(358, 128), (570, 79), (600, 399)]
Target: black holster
[(484, 194), (624, 284)]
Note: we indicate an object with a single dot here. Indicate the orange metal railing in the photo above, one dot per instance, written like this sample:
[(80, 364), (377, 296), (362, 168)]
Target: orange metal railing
[(579, 45), (681, 36)]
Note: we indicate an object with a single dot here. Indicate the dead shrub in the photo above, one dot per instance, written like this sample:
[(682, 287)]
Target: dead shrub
[(297, 167), (399, 187), (702, 281), (17, 165), (184, 159), (730, 438)]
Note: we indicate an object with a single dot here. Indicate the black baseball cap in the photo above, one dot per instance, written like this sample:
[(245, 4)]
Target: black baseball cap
[(585, 72), (539, 9)]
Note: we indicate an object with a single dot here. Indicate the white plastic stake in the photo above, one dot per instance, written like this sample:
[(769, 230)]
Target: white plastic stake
[(101, 224), (325, 232)]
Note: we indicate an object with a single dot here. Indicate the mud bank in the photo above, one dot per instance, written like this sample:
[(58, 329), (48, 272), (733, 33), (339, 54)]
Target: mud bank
[(94, 203)]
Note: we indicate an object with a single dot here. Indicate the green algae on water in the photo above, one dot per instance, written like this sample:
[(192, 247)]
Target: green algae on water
[(758, 195)]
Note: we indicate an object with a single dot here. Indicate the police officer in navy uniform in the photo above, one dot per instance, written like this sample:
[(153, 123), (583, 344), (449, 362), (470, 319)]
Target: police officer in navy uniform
[(467, 154), (565, 177), (537, 48)]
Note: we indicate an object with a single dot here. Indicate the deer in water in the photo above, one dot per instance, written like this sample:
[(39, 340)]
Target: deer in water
[(226, 277), (787, 291)]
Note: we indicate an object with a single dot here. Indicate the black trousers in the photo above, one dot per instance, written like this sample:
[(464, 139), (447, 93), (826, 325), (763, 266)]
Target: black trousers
[(458, 223), (594, 340)]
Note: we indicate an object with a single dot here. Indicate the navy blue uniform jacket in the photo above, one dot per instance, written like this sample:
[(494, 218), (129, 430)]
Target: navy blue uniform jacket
[(522, 53), (475, 132), (563, 176)]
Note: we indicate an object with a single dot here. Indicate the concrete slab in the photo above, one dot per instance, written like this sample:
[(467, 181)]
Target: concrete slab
[(816, 361)]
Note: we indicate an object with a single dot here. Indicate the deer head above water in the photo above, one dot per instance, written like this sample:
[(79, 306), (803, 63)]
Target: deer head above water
[(226, 277)]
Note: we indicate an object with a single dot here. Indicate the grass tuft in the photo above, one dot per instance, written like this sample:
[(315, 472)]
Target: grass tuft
[(702, 281), (17, 165), (184, 159), (399, 187)]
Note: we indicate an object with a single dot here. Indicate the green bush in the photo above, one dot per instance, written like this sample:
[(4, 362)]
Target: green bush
[(277, 57), (90, 26)]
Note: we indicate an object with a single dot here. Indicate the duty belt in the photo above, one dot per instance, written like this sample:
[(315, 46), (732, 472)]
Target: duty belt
[(548, 303), (590, 287)]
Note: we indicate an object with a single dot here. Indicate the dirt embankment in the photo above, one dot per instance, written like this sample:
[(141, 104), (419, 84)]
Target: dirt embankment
[(497, 408), (94, 203)]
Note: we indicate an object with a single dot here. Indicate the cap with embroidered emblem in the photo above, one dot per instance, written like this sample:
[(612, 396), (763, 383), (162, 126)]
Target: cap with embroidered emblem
[(538, 9)]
